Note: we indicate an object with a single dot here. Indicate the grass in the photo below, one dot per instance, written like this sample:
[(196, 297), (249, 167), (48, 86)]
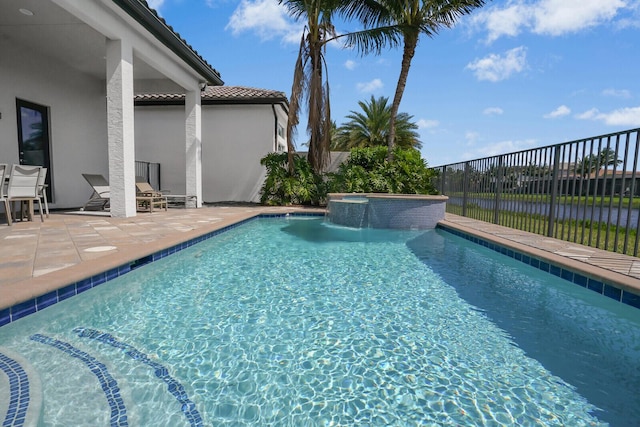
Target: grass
[(563, 200), (585, 232)]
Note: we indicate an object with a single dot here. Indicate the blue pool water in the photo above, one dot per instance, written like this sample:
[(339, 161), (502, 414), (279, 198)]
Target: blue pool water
[(296, 322)]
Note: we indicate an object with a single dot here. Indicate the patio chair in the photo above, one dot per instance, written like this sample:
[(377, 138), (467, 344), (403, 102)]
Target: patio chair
[(101, 194), (23, 187), (42, 191), (172, 199), (148, 198), (3, 197)]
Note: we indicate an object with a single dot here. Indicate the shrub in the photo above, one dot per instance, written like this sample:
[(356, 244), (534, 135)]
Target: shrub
[(303, 187), (369, 171), (366, 171)]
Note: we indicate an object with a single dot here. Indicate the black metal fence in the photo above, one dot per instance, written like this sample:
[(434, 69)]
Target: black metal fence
[(585, 191), (150, 172)]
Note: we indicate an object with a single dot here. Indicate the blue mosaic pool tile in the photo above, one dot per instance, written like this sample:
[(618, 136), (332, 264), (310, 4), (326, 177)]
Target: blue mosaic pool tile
[(66, 292), (23, 309), (612, 292), (580, 280), (544, 266), (160, 371), (5, 316), (631, 299), (567, 275), (592, 284), (98, 279), (111, 274), (140, 262), (19, 396), (46, 300), (595, 285), (83, 285), (109, 385)]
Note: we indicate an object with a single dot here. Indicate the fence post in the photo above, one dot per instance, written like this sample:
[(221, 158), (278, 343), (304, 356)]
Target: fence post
[(554, 191), (496, 209), (465, 188), (443, 179)]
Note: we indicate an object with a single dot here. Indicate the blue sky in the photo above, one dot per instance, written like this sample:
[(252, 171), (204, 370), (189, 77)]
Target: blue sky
[(514, 74)]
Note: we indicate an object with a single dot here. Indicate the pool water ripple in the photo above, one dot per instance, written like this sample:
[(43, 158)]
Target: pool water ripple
[(283, 323)]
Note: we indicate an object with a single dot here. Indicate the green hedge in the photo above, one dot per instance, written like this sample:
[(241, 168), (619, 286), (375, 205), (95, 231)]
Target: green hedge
[(366, 171)]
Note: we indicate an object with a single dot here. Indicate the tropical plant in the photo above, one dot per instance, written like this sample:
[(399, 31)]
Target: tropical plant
[(389, 20), (592, 163), (309, 78), (368, 171), (282, 187), (370, 127)]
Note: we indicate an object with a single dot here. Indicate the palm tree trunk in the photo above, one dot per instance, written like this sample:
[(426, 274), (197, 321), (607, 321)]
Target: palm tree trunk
[(410, 43)]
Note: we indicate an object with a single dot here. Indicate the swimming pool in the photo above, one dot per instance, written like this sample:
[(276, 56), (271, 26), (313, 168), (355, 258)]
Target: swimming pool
[(296, 322)]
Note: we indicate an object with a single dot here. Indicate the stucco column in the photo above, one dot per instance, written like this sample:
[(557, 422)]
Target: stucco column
[(120, 128), (193, 126)]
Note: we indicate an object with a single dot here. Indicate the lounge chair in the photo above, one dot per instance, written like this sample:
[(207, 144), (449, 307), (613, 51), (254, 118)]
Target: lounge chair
[(147, 198), (101, 194), (172, 199)]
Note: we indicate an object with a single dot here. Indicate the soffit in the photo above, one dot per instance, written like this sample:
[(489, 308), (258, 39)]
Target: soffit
[(52, 32)]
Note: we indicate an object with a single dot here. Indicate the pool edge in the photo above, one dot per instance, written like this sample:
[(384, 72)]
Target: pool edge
[(617, 286), (35, 298)]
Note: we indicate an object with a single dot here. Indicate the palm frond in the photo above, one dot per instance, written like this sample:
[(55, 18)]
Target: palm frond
[(373, 40)]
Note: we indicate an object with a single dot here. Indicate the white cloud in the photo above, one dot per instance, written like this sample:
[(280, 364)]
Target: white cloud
[(504, 22), (588, 115), (350, 65), (371, 86), (623, 93), (493, 111), (556, 17), (562, 110), (496, 67), (499, 148), (550, 17), (427, 124), (266, 18), (471, 137), (629, 116)]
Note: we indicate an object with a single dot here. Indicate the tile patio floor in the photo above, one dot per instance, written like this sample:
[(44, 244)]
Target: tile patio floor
[(37, 257)]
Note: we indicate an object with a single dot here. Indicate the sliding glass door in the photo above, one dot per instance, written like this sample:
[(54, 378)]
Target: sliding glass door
[(33, 138)]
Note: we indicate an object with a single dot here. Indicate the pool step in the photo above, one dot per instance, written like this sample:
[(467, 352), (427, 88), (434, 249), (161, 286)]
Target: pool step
[(20, 385), (20, 389)]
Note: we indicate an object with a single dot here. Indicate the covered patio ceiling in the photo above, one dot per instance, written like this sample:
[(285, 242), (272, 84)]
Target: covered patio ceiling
[(48, 30)]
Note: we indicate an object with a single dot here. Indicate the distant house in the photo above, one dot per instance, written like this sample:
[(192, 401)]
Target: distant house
[(68, 75), (240, 125)]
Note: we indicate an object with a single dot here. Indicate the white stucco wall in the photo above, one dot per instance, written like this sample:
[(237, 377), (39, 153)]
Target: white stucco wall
[(234, 139), (77, 118)]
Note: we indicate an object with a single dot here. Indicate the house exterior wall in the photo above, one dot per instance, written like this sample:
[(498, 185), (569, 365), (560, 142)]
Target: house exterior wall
[(77, 120), (234, 139), (160, 139)]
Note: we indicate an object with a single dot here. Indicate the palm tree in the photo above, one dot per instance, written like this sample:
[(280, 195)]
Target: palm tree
[(371, 127), (594, 162), (410, 19), (309, 78)]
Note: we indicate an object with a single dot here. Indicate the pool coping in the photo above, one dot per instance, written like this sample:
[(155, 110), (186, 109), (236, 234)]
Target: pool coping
[(618, 286), (26, 297), (20, 299)]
